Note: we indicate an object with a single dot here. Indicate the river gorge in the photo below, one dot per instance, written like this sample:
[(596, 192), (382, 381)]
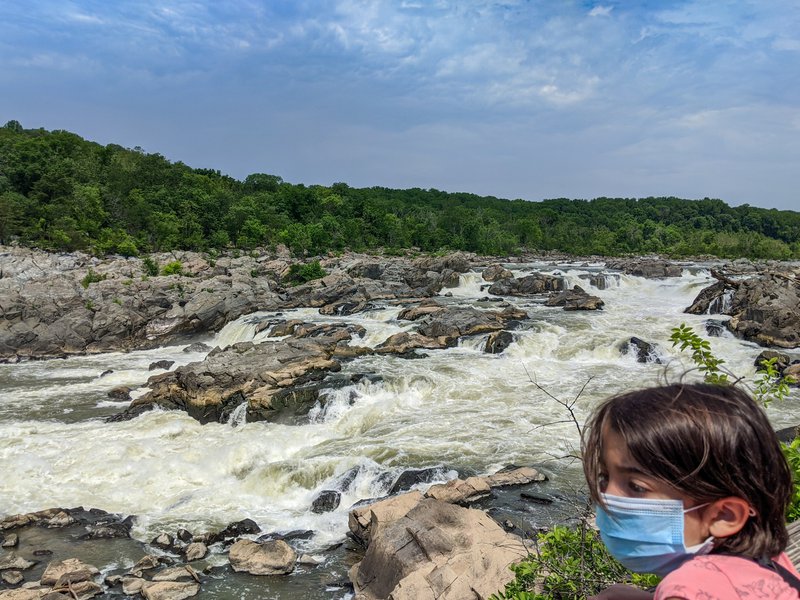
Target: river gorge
[(457, 409)]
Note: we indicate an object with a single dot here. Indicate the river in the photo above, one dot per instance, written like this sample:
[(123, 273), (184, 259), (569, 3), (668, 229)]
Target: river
[(459, 409)]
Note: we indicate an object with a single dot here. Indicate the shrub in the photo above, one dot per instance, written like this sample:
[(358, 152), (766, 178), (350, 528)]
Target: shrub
[(149, 266), (568, 563), (301, 273), (173, 268), (92, 277)]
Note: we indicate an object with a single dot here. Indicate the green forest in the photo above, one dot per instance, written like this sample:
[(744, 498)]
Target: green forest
[(61, 192)]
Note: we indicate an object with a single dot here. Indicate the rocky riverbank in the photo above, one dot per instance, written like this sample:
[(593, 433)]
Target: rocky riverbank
[(450, 548)]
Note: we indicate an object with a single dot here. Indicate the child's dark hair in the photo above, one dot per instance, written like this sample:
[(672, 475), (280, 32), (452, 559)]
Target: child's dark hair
[(707, 442)]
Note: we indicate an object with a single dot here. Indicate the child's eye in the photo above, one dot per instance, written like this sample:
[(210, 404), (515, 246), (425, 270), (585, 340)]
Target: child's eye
[(636, 488)]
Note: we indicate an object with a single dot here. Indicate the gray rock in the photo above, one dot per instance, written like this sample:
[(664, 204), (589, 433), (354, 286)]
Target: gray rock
[(575, 299), (326, 501), (646, 267), (195, 551), (160, 364), (10, 541), (645, 351)]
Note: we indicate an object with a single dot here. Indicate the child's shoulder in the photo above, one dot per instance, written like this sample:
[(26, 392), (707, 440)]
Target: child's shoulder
[(719, 576)]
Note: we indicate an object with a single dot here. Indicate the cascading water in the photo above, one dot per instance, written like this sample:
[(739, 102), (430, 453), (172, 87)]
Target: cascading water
[(459, 409)]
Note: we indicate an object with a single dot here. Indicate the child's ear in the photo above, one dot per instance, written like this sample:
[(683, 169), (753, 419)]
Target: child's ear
[(727, 516)]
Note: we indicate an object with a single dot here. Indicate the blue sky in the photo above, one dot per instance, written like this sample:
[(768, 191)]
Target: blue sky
[(516, 99)]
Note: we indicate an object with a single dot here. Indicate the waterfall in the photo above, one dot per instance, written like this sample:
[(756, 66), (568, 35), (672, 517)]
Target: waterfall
[(238, 416)]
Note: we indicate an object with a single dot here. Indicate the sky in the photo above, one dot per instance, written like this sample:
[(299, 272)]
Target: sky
[(514, 99)]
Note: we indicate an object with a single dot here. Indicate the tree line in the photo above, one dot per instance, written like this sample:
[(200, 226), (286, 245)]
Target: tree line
[(61, 192)]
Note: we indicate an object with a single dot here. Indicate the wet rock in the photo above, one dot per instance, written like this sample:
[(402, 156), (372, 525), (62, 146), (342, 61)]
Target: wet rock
[(498, 341), (160, 364), (792, 372), (456, 322), (184, 535), (310, 559), (235, 530), (164, 541), (709, 300), (575, 299), (271, 376), (270, 558), (437, 550), (70, 568), (715, 327), (645, 351), (296, 534), (404, 342), (106, 372), (197, 347), (105, 529), (766, 309), (412, 477), (536, 498), (494, 273), (121, 392), (15, 563), (10, 541), (538, 283), (12, 577), (81, 590), (21, 594), (195, 551), (782, 360), (326, 501), (426, 307), (169, 590)]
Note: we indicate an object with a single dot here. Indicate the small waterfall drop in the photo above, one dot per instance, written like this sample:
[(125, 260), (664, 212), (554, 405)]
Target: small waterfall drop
[(238, 416)]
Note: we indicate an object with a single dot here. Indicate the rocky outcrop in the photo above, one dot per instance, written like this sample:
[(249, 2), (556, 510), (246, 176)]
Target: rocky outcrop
[(652, 268), (498, 341), (575, 299), (269, 377), (764, 309), (538, 283), (456, 322), (55, 305), (426, 548)]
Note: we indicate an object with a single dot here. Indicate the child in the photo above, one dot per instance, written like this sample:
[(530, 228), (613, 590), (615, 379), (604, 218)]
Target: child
[(690, 483)]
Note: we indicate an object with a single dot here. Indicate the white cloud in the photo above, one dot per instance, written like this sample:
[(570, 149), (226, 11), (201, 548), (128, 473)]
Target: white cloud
[(601, 11)]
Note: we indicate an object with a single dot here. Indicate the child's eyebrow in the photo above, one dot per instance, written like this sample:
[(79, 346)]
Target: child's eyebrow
[(631, 470)]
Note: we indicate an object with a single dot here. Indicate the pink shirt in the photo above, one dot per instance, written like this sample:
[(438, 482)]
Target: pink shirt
[(723, 577)]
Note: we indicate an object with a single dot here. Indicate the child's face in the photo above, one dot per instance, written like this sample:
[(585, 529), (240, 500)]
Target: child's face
[(621, 475)]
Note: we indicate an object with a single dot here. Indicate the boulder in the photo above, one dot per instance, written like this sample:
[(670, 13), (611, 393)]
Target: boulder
[(235, 530), (710, 300), (437, 550), (411, 477), (169, 590), (404, 342), (645, 351), (782, 360), (195, 551), (496, 272), (10, 541), (716, 327), (456, 322), (72, 568), (575, 299), (270, 558), (425, 308), (364, 520), (326, 501), (498, 341), (766, 309), (457, 491), (160, 364)]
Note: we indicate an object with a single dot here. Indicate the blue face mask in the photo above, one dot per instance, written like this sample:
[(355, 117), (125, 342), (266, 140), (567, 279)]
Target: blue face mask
[(646, 535)]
